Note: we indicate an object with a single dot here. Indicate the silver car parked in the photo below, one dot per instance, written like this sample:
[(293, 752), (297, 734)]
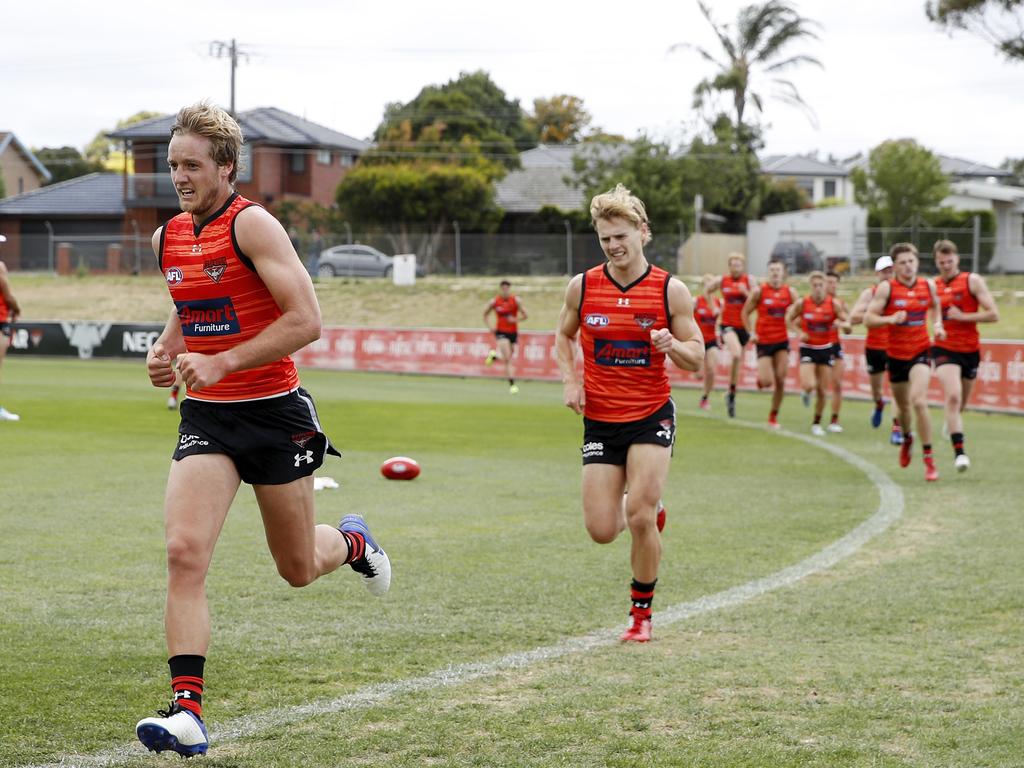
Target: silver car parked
[(354, 260)]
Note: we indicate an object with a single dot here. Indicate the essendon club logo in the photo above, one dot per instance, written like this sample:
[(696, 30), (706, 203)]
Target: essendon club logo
[(302, 438), (214, 268), (630, 354), (644, 321)]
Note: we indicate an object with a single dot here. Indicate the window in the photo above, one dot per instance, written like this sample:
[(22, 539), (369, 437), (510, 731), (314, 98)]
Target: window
[(830, 187), (323, 156), (346, 161), (245, 163), (298, 161)]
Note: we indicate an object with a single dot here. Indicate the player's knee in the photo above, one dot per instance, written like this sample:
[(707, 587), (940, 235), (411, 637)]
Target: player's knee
[(297, 574), (184, 557), (603, 531)]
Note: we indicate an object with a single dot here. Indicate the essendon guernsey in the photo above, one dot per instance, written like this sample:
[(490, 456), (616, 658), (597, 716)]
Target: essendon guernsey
[(771, 314), (961, 336), (4, 309), (706, 315), (624, 376), (734, 294), (221, 301), (507, 310), (910, 338), (817, 321)]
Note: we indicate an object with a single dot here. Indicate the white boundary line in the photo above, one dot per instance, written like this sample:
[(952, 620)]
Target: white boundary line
[(890, 508)]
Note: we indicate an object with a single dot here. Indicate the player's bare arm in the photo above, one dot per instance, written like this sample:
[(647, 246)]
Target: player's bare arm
[(683, 341), (262, 238), (5, 289), (160, 358), (565, 346), (842, 315), (792, 319), (935, 312), (987, 310), (860, 307), (748, 308), (874, 318)]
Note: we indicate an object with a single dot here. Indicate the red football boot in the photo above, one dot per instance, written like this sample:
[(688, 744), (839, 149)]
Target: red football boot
[(660, 519), (931, 474), (908, 441), (639, 629)]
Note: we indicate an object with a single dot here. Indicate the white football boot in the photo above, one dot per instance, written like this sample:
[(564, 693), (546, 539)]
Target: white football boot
[(176, 729), (374, 565)]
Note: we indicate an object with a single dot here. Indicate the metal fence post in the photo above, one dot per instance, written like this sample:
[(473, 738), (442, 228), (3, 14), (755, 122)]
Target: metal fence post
[(976, 245), (458, 249)]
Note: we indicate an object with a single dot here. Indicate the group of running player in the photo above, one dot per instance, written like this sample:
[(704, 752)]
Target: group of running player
[(896, 312)]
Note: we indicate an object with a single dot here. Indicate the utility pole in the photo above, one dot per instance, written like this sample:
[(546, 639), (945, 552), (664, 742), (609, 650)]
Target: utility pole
[(220, 50)]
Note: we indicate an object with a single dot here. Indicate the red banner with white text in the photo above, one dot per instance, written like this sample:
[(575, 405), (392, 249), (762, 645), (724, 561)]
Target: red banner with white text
[(999, 386)]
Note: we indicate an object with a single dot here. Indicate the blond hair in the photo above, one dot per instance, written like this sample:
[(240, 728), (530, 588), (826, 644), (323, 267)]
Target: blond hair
[(816, 275), (211, 122), (736, 255), (620, 203)]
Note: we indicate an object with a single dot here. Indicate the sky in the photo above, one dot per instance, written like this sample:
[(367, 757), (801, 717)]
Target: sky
[(69, 70)]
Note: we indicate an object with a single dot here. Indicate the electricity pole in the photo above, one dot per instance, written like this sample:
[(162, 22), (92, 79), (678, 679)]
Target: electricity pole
[(220, 49)]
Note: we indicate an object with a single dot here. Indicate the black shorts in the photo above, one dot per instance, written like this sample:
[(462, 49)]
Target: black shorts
[(741, 333), (837, 351), (713, 344), (899, 370), (769, 350), (968, 361), (607, 442), (876, 359), (512, 336), (271, 442), (816, 356), (6, 329)]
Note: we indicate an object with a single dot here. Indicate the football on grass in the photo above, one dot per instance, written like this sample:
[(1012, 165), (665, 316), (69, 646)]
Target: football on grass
[(400, 468)]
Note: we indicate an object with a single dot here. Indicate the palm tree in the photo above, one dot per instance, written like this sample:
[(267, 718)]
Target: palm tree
[(762, 33)]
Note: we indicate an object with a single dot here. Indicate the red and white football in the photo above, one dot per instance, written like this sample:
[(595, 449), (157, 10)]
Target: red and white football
[(400, 468)]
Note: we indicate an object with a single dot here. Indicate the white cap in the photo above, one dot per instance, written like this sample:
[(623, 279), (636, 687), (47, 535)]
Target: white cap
[(884, 262), (3, 238)]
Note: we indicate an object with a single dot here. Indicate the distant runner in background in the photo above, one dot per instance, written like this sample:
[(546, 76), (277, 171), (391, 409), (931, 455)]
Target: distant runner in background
[(875, 345), (838, 362), (966, 301), (735, 287), (508, 312), (706, 310), (812, 319), (771, 300)]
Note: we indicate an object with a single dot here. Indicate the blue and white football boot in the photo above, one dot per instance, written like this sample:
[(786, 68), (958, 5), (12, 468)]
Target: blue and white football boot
[(374, 565), (176, 729)]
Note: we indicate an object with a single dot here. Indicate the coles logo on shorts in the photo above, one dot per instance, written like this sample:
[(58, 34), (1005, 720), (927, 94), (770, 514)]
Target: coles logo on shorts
[(208, 317), (596, 321), (631, 354), (174, 275)]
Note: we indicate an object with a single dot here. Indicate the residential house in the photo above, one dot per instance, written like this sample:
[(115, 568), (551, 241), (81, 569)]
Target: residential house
[(285, 157), (1007, 205), (820, 179), (20, 169)]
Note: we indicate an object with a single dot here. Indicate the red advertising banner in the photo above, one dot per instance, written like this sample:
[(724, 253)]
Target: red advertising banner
[(999, 387)]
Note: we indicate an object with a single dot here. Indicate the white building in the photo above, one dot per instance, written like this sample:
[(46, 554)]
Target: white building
[(1007, 205)]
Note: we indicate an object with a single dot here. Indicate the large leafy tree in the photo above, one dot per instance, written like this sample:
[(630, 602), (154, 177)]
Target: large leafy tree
[(560, 119), (902, 180), (757, 49), (65, 163), (1001, 22)]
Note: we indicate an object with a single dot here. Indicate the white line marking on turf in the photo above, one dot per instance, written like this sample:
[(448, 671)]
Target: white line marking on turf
[(890, 508)]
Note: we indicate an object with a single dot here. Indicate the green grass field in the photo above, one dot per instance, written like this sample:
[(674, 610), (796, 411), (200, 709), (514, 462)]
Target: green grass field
[(495, 646)]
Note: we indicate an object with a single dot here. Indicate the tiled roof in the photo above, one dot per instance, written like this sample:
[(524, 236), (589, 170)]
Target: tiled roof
[(8, 139), (546, 178), (265, 124), (96, 194), (960, 168), (799, 165)]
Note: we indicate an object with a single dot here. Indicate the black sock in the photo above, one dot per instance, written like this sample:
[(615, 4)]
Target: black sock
[(356, 546), (187, 682), (957, 438), (642, 595)]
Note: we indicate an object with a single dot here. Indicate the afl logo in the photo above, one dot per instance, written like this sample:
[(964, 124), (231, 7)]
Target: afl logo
[(596, 321), (174, 276)]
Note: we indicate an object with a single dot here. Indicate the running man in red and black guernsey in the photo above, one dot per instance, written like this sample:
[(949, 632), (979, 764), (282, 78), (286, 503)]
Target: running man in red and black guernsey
[(876, 342), (735, 287), (630, 316), (771, 300), (966, 301), (9, 312), (812, 319), (508, 312), (838, 361), (905, 304), (243, 304), (706, 310)]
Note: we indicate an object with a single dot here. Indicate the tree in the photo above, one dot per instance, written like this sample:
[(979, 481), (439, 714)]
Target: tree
[(65, 163), (411, 198), (902, 180), (1000, 22), (754, 51), (561, 119), (781, 195), (1016, 167)]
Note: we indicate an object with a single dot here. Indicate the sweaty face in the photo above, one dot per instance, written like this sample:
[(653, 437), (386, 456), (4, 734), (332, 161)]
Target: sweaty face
[(906, 267), (198, 180), (621, 240)]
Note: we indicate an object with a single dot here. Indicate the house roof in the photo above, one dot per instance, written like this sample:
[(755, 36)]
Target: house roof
[(267, 125), (546, 178), (958, 167), (95, 194), (800, 165), (8, 139), (988, 191)]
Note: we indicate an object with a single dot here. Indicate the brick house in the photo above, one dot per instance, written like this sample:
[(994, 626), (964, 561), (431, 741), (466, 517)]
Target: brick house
[(20, 169)]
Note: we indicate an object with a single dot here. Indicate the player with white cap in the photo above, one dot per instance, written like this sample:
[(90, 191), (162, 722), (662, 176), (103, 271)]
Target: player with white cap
[(875, 345)]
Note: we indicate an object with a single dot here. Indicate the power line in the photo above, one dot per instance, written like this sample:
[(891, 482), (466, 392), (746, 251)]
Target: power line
[(220, 50)]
